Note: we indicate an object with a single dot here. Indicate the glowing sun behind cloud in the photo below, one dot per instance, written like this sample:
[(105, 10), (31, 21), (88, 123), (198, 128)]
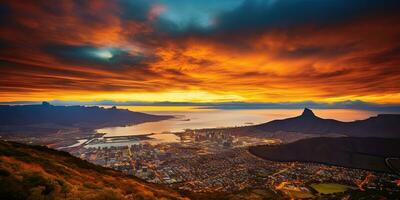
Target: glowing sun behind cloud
[(103, 53)]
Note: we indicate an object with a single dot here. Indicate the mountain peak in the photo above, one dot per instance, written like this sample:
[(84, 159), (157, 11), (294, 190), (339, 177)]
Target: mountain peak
[(46, 104), (307, 113)]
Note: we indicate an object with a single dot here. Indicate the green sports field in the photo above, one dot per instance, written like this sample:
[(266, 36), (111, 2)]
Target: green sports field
[(330, 188)]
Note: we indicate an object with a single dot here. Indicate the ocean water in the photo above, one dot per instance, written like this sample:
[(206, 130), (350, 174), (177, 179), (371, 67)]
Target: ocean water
[(197, 117)]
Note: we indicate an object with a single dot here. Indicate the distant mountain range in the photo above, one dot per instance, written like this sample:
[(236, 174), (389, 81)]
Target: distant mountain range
[(379, 154), (383, 125), (93, 116)]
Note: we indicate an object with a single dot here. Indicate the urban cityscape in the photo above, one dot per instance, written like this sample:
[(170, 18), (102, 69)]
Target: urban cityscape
[(209, 161)]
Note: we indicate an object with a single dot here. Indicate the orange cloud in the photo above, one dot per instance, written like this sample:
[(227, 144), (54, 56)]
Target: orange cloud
[(45, 53)]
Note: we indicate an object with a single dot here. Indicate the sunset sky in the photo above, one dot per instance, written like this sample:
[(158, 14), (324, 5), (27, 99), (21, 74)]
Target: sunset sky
[(200, 50)]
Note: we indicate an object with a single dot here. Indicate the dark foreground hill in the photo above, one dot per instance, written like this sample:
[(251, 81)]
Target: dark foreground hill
[(71, 115), (377, 154), (36, 172), (383, 125)]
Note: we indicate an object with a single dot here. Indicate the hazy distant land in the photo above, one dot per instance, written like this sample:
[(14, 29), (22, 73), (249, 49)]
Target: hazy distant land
[(61, 125)]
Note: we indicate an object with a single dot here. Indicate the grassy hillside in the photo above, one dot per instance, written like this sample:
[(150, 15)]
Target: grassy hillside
[(36, 172)]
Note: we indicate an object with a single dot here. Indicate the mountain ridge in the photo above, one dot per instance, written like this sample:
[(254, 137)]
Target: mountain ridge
[(46, 119), (71, 115), (382, 125)]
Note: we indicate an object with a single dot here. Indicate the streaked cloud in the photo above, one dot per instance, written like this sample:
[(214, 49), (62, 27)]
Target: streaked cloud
[(166, 50)]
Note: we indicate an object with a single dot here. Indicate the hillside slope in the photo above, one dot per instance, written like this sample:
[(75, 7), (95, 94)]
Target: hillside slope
[(37, 172), (363, 153)]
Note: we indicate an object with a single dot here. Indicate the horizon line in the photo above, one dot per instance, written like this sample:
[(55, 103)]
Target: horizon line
[(234, 105)]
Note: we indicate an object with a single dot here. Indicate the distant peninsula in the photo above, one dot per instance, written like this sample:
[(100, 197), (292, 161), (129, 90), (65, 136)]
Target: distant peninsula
[(93, 116), (38, 122)]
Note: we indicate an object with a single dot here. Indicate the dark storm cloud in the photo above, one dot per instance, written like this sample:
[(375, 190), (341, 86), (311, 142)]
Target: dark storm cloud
[(95, 56), (320, 51), (135, 10), (283, 14), (5, 14), (261, 15), (3, 44), (385, 56)]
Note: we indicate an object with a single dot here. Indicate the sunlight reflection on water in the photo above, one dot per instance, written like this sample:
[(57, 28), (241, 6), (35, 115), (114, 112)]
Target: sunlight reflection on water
[(195, 118)]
